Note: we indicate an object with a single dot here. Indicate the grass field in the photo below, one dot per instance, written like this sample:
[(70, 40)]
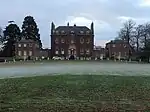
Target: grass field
[(75, 93)]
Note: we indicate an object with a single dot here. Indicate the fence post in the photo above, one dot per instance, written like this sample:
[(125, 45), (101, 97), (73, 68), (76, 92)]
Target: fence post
[(5, 60), (14, 60)]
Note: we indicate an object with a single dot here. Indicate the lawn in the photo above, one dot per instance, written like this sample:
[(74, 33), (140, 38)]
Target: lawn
[(75, 93)]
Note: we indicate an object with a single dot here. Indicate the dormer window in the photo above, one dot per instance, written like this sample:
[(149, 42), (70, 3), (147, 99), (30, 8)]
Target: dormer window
[(62, 31), (25, 45), (81, 32), (88, 32), (81, 40), (19, 45), (57, 32), (72, 31)]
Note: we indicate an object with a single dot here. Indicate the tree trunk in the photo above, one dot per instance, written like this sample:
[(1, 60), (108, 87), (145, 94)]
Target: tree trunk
[(145, 38), (137, 43)]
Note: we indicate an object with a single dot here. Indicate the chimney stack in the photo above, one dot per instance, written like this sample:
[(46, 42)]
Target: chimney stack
[(68, 24)]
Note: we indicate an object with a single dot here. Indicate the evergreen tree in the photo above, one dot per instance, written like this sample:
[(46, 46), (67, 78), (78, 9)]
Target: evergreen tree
[(1, 32), (11, 36), (1, 35), (30, 30)]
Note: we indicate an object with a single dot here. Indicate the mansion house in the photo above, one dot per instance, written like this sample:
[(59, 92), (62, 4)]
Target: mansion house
[(72, 42)]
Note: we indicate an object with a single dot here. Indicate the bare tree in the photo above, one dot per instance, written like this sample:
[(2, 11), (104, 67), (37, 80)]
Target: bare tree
[(145, 33), (138, 33), (0, 31), (1, 34), (127, 31)]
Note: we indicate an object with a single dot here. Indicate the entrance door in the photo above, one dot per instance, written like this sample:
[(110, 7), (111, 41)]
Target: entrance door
[(72, 52)]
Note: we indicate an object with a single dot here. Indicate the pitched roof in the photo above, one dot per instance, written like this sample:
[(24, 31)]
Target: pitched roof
[(26, 40), (117, 42), (72, 28)]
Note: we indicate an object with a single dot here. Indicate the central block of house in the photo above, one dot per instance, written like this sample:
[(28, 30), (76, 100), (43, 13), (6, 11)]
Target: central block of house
[(72, 42)]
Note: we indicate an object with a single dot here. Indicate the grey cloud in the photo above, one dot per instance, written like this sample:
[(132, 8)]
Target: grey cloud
[(104, 12)]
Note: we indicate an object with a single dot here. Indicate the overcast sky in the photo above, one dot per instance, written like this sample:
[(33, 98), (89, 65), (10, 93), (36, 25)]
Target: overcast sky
[(107, 15)]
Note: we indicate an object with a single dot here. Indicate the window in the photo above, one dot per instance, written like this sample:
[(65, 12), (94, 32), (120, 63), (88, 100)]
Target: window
[(114, 53), (37, 46), (81, 40), (19, 45), (69, 52), (125, 46), (88, 41), (24, 53), (56, 41), (30, 45), (72, 35), (72, 41), (57, 51), (119, 53), (87, 51), (25, 45), (19, 53), (81, 51), (30, 53), (72, 31), (62, 51), (125, 54), (62, 41), (75, 52), (113, 45)]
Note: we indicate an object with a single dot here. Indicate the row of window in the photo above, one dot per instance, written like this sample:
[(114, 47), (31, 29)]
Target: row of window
[(24, 45), (82, 51), (72, 32), (119, 54), (24, 53), (120, 45), (73, 41)]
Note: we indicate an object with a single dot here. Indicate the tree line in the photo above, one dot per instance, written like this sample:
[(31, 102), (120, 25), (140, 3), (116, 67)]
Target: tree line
[(138, 36), (12, 33)]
